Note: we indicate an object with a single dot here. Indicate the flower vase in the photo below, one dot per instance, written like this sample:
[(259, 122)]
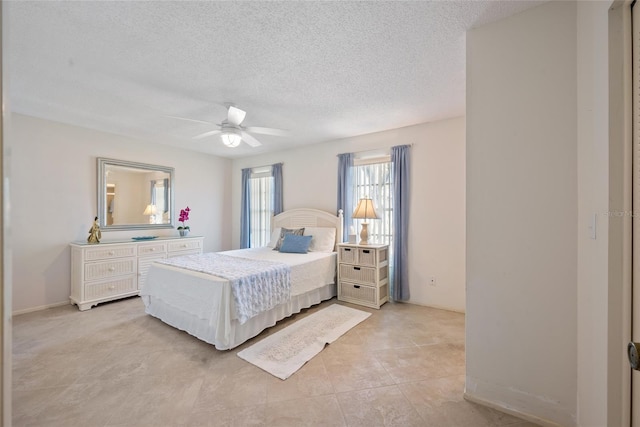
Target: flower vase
[(184, 233)]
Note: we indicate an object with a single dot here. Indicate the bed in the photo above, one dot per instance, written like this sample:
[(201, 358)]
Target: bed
[(184, 293)]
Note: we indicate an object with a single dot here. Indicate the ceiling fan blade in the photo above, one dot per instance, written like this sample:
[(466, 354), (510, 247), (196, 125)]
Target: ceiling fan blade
[(250, 140), (267, 131), (190, 120), (235, 115), (206, 134)]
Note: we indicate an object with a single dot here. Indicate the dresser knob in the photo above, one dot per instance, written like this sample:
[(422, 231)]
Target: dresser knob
[(112, 269), (111, 287), (111, 253), (153, 249)]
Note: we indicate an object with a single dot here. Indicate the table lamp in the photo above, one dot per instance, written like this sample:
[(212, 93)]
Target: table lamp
[(365, 210), (151, 210)]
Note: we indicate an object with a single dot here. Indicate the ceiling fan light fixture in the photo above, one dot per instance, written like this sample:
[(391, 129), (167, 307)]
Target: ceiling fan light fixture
[(230, 139)]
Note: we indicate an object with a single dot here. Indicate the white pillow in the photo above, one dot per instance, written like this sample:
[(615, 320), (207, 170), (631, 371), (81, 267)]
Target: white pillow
[(275, 235), (324, 238)]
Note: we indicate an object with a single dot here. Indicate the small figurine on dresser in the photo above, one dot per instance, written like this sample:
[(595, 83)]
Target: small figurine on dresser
[(94, 233)]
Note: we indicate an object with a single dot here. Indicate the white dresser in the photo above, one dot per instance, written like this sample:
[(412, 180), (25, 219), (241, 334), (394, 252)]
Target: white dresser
[(112, 270), (363, 274)]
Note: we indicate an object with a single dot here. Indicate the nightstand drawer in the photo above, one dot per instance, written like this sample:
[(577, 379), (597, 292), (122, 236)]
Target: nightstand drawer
[(349, 255), (102, 270), (361, 293), (368, 256), (355, 273)]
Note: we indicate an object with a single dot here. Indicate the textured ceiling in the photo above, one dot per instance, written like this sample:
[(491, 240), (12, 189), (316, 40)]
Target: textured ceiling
[(322, 70)]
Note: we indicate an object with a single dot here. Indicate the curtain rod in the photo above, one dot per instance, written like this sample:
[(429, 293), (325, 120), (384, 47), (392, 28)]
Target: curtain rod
[(373, 149), (263, 166)]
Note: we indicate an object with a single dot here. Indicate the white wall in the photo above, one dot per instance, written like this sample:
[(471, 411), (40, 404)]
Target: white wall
[(521, 323), (437, 198), (593, 145), (53, 199)]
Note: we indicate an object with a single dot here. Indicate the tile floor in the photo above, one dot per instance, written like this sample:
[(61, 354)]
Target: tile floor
[(116, 366)]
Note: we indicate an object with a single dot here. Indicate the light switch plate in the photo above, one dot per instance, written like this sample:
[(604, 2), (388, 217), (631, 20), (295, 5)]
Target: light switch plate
[(593, 221)]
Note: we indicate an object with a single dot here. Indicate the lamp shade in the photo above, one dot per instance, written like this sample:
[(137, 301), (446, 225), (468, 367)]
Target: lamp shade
[(231, 139), (365, 210), (150, 210)]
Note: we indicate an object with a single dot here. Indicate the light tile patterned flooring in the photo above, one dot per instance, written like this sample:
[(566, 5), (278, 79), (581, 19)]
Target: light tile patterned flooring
[(116, 366)]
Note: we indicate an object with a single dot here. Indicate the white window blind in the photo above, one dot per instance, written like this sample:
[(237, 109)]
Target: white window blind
[(261, 184), (373, 179), (161, 215)]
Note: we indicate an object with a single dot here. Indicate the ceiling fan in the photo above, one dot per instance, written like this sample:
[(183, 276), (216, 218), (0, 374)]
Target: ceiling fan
[(231, 130)]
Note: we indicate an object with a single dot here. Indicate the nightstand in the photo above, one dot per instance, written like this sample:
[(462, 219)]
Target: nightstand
[(363, 274)]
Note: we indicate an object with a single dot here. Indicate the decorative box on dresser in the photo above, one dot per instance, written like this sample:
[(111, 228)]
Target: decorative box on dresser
[(112, 270), (363, 274)]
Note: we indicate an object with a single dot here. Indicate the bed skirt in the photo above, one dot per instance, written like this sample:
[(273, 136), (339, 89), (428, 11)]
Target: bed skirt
[(236, 333)]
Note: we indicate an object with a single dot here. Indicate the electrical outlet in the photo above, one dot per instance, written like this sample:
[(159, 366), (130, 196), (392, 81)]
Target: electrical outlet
[(432, 281)]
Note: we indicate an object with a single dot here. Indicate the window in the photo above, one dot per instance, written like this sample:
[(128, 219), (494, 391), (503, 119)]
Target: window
[(261, 188), (160, 201), (261, 199), (376, 178), (373, 178)]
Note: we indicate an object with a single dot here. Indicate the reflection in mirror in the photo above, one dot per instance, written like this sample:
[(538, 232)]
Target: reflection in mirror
[(134, 195)]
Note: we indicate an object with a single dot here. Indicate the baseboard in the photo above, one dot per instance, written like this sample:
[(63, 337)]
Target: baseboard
[(39, 308), (507, 410), (439, 307)]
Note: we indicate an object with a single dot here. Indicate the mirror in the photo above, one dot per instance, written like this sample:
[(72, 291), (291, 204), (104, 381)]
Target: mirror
[(134, 196)]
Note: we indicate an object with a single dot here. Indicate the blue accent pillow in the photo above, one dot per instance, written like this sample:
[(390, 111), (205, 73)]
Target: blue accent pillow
[(284, 232), (294, 244)]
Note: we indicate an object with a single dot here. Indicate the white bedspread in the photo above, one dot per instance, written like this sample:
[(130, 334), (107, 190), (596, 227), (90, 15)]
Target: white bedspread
[(202, 304), (308, 271), (257, 285)]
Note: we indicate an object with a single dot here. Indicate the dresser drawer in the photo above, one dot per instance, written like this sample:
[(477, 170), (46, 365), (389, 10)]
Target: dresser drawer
[(109, 252), (109, 288), (103, 270), (152, 248), (185, 245), (143, 267), (183, 253), (355, 273)]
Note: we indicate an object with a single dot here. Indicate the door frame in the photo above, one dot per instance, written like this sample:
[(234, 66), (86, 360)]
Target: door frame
[(620, 226)]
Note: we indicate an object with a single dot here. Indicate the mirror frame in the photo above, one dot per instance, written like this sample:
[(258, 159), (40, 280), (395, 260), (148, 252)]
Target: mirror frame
[(102, 194)]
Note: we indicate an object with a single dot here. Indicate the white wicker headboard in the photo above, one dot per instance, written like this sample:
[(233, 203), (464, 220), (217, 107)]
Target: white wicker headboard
[(296, 218)]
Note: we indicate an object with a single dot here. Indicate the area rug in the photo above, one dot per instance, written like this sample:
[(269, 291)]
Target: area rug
[(286, 351)]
